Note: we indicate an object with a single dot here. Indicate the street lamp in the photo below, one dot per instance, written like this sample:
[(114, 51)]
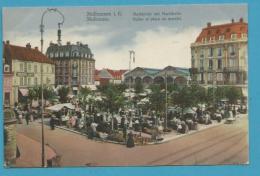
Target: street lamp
[(51, 10), (166, 99), (131, 58)]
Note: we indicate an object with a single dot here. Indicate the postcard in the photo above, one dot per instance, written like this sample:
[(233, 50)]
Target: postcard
[(149, 85)]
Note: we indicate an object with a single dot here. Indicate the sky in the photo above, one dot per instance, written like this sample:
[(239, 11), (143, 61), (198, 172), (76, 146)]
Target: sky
[(157, 44)]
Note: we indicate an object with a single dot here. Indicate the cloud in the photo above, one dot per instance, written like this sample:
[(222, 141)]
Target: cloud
[(155, 48)]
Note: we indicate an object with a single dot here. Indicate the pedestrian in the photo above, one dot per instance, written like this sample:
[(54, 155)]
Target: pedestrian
[(234, 112), (27, 115), (52, 123), (130, 141)]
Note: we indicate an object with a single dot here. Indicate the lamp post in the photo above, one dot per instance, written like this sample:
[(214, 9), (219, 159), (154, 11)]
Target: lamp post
[(166, 99), (131, 58), (51, 10)]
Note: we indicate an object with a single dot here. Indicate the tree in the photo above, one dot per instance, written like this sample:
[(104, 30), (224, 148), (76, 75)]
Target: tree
[(114, 98), (157, 98), (139, 88), (233, 94), (189, 96), (63, 94), (35, 93)]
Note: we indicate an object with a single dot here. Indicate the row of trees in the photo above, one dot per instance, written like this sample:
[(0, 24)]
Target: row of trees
[(113, 98)]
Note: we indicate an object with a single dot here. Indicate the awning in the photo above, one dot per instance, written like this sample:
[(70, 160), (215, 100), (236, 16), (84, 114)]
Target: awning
[(24, 92), (58, 107)]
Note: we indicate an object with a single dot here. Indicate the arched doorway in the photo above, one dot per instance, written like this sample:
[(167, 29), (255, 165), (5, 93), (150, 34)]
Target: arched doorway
[(180, 81), (158, 80)]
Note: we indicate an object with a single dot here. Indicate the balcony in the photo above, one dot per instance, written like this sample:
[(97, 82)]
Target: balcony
[(233, 69)]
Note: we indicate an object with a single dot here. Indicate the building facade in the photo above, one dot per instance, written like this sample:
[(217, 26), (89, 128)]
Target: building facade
[(8, 81), (106, 76), (25, 66), (148, 76), (74, 64), (219, 55)]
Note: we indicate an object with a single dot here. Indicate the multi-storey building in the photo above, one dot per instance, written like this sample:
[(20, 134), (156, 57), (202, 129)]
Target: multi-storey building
[(8, 81), (25, 64), (74, 65), (219, 55)]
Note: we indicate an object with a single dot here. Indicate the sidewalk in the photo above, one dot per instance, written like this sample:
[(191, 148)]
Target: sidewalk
[(30, 152)]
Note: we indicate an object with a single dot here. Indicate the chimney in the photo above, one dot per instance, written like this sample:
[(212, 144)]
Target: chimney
[(7, 42), (28, 45), (68, 43), (51, 44), (78, 43), (241, 20), (232, 20), (209, 24), (36, 48)]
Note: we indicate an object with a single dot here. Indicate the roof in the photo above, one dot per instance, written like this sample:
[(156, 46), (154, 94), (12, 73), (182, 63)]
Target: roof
[(151, 71), (24, 53), (117, 74), (238, 28), (72, 48), (109, 74), (155, 71)]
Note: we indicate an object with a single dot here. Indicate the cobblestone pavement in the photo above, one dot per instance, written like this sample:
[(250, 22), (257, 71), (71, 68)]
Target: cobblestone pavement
[(222, 144)]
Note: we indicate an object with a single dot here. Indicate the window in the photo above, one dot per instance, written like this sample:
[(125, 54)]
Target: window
[(29, 81), (51, 55), (232, 62), (25, 81), (219, 63), (201, 53), (211, 51), (25, 67), (210, 78), (219, 52), (57, 54), (233, 36), (21, 81), (200, 77), (244, 35), (210, 64), (193, 63), (21, 67), (35, 69), (219, 76), (221, 37), (232, 77), (61, 54), (201, 63), (212, 39), (67, 54), (6, 68), (35, 81), (29, 67), (232, 50)]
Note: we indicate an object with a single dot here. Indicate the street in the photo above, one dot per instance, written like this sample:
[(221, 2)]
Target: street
[(223, 144)]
